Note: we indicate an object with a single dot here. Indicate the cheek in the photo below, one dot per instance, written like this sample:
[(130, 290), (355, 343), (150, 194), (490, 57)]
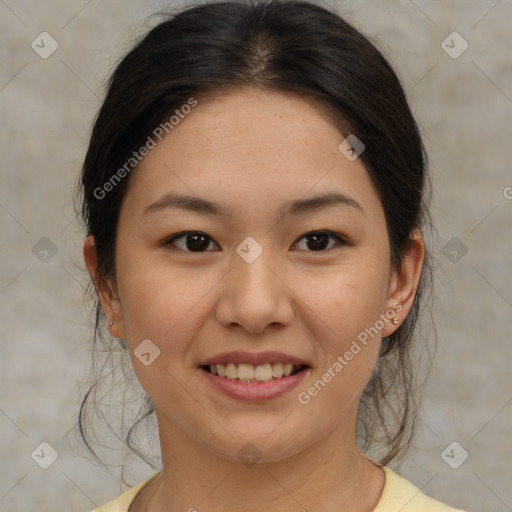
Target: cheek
[(158, 303), (349, 303), (167, 307), (348, 298)]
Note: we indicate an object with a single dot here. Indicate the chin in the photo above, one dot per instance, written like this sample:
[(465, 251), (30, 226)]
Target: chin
[(267, 442)]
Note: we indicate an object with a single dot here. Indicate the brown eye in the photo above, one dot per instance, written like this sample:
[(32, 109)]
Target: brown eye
[(318, 241), (191, 241)]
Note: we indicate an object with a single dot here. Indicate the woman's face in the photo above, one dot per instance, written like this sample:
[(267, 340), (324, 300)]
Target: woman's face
[(252, 282)]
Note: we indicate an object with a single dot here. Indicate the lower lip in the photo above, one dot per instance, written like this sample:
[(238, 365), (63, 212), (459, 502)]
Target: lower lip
[(255, 391)]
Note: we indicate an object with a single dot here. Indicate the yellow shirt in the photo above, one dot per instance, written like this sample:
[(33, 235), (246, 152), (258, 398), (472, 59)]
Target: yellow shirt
[(398, 495)]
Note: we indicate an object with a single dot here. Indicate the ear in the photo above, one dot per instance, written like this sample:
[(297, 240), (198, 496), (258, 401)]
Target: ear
[(107, 296), (404, 282)]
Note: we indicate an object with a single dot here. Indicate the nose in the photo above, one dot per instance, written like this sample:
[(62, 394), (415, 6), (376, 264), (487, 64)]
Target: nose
[(255, 296)]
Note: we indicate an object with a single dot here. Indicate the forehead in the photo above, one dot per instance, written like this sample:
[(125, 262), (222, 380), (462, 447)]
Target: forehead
[(261, 147), (259, 121)]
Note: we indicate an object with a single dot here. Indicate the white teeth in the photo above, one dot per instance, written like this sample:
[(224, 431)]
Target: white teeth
[(287, 369), (263, 372), (231, 372), (248, 372), (277, 370)]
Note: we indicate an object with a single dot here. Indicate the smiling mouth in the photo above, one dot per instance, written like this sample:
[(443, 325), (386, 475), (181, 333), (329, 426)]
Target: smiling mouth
[(249, 373)]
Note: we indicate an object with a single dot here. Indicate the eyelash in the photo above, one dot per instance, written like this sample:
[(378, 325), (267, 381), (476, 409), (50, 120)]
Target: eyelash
[(341, 241)]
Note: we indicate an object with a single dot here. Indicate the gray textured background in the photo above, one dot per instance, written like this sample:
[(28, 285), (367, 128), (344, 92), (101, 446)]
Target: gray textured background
[(464, 106)]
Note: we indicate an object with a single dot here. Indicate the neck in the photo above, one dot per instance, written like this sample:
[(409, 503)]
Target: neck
[(331, 475)]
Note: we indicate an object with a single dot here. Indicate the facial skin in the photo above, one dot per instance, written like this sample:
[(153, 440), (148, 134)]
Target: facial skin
[(252, 151)]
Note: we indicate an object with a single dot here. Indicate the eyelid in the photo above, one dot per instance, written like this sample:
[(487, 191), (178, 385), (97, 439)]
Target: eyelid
[(182, 234), (342, 240)]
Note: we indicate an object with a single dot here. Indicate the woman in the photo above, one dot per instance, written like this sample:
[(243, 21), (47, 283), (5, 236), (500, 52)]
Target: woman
[(253, 195)]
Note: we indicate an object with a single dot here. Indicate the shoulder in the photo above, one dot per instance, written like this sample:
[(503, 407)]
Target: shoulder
[(400, 494), (123, 502)]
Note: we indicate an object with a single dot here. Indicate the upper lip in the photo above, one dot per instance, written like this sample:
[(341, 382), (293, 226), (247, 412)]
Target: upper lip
[(242, 357)]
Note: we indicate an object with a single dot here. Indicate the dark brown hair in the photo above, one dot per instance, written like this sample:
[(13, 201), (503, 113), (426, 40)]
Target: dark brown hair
[(289, 46)]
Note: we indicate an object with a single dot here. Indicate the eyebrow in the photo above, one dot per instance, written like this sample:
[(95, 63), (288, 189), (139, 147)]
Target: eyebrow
[(295, 207)]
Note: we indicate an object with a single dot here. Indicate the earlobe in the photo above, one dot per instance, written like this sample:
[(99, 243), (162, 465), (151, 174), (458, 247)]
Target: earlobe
[(405, 282), (106, 295)]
